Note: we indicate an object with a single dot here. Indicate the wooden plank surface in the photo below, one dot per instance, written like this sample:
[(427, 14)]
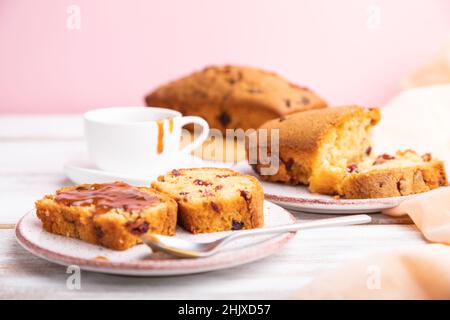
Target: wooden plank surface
[(33, 150), (23, 275)]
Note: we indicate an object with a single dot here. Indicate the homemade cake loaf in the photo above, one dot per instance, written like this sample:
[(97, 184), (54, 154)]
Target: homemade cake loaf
[(214, 199), (315, 146), (401, 174), (112, 215), (234, 97), (330, 150)]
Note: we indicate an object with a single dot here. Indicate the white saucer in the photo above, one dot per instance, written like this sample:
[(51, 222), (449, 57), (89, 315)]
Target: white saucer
[(298, 198), (82, 171), (140, 261)]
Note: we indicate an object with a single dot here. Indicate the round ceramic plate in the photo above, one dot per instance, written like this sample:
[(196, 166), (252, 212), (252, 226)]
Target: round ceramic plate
[(298, 198), (82, 171), (140, 261)]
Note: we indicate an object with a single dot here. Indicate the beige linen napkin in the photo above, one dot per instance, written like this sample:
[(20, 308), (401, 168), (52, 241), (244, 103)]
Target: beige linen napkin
[(422, 272), (434, 71), (430, 212), (416, 119)]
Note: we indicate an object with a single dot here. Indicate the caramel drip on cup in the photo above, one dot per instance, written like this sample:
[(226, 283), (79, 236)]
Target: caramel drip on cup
[(160, 143), (170, 125)]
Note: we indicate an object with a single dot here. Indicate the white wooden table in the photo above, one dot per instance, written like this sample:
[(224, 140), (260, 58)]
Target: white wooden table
[(33, 150)]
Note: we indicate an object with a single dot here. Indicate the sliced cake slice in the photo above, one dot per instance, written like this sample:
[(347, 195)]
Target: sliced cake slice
[(401, 174), (113, 215), (214, 199)]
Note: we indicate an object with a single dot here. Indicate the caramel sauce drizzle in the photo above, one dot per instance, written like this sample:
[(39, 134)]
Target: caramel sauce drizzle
[(170, 125), (107, 196), (160, 143)]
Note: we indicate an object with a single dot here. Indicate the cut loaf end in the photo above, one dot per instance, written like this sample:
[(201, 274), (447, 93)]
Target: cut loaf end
[(330, 150)]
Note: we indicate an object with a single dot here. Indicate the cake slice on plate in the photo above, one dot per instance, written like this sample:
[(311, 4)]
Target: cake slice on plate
[(330, 151), (113, 215), (401, 174), (214, 199)]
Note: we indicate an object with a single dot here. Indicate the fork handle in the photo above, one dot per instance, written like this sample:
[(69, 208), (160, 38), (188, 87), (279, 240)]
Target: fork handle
[(321, 223)]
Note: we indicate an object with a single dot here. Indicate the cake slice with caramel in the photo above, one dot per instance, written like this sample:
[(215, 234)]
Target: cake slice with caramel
[(113, 215)]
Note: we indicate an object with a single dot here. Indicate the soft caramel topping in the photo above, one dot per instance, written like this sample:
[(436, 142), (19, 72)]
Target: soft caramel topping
[(160, 142), (107, 196), (171, 125)]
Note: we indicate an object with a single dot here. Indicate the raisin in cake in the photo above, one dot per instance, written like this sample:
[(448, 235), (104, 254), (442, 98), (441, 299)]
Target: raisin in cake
[(226, 95), (315, 146), (113, 215), (330, 151), (214, 199), (401, 174)]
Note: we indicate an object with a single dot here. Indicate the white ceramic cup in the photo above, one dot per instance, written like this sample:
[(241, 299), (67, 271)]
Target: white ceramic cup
[(138, 140)]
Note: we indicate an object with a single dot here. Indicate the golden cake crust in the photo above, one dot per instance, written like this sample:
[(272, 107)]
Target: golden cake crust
[(115, 228), (224, 95), (306, 131), (214, 199)]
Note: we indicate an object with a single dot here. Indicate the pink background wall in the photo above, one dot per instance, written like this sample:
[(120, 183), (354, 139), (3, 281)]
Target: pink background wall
[(125, 48)]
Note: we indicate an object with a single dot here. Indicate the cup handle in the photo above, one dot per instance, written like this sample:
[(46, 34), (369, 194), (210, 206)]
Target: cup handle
[(201, 138)]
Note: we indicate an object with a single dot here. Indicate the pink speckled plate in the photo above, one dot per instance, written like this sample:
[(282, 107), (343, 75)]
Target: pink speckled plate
[(298, 198), (140, 261)]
